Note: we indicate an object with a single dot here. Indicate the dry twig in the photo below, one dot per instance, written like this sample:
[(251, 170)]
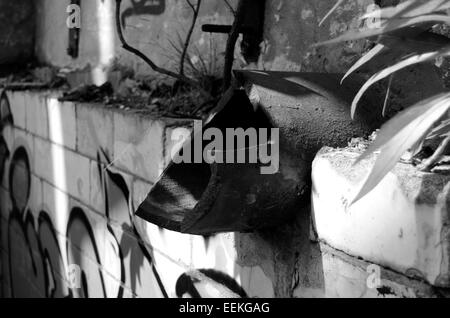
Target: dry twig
[(145, 58), (195, 10)]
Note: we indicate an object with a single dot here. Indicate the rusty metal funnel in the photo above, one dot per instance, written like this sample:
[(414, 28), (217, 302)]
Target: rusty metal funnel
[(310, 110)]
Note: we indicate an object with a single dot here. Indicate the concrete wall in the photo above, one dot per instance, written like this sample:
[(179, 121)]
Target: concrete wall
[(71, 177), (158, 32), (291, 27), (89, 167)]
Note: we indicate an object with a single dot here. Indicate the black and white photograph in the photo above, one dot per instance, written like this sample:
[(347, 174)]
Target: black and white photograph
[(224, 154)]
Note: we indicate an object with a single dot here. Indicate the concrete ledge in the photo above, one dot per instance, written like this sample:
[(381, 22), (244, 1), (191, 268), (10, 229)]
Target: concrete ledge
[(403, 224)]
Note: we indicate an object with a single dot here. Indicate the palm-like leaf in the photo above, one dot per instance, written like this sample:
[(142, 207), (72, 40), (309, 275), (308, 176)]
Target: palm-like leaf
[(415, 59), (403, 41), (337, 5), (400, 134), (387, 27), (365, 59), (409, 9)]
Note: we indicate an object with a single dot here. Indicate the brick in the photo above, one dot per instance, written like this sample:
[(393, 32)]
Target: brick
[(62, 123), (25, 140), (138, 145), (36, 196), (140, 192), (147, 286), (56, 204), (8, 134), (5, 208), (37, 118), (67, 170), (176, 246), (77, 168), (119, 209), (95, 129), (17, 104), (402, 224), (346, 277), (96, 195), (43, 159), (113, 284), (83, 244)]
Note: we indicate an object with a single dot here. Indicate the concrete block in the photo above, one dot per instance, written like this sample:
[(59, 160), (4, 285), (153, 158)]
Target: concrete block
[(36, 196), (96, 193), (147, 285), (37, 117), (119, 186), (17, 105), (43, 159), (138, 145), (56, 204), (65, 169), (62, 123), (342, 276), (140, 192), (174, 245), (95, 129), (402, 224), (25, 140), (89, 223), (5, 210), (77, 170)]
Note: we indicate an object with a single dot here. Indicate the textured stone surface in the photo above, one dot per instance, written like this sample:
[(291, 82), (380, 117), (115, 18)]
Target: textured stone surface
[(93, 209), (62, 123), (17, 22), (151, 31), (342, 276), (402, 224), (95, 129), (37, 117), (18, 109), (138, 145)]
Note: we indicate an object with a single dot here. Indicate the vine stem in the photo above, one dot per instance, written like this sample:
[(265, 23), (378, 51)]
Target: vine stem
[(141, 55), (196, 10)]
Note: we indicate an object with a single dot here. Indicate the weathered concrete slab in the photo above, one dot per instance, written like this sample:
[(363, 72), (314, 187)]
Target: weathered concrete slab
[(403, 224)]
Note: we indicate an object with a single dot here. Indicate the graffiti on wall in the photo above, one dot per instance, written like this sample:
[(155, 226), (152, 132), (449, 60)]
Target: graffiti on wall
[(106, 258), (141, 7), (34, 253)]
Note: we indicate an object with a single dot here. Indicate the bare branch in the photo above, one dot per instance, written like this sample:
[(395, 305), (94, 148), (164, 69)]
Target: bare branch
[(191, 5), (230, 7), (231, 43), (145, 58), (189, 35)]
